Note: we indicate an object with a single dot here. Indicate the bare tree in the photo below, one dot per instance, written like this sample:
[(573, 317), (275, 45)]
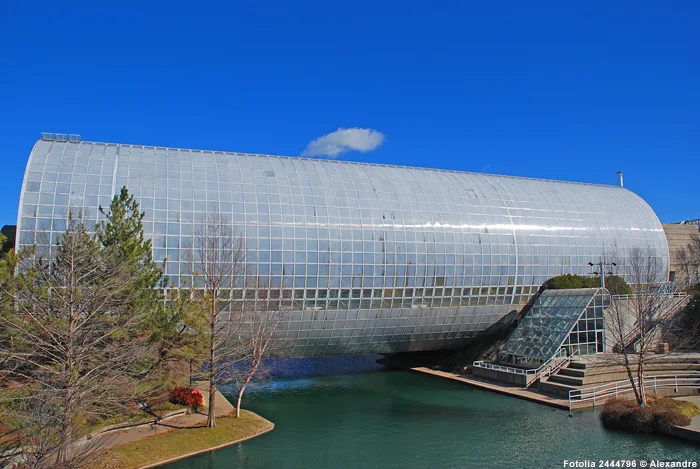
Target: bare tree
[(79, 347), (216, 264), (8, 264), (260, 318), (688, 259), (235, 314), (632, 319)]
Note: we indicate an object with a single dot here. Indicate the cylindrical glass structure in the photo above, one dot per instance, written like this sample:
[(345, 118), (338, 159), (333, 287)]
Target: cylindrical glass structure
[(376, 258)]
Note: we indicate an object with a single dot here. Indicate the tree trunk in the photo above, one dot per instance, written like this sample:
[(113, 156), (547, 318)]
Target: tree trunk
[(211, 413), (247, 381), (240, 398), (62, 456), (642, 400), (630, 374)]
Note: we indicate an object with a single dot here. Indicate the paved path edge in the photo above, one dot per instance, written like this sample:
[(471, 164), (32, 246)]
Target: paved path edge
[(492, 387), (213, 448), (690, 432), (118, 427)]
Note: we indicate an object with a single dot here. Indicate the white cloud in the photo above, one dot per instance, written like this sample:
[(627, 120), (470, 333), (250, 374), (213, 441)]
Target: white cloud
[(342, 140)]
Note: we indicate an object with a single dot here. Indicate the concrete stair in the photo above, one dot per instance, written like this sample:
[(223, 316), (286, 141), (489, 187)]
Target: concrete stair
[(568, 380), (598, 370), (573, 372), (553, 388)]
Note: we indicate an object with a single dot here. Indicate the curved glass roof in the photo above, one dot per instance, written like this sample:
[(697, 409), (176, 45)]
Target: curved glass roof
[(464, 248)]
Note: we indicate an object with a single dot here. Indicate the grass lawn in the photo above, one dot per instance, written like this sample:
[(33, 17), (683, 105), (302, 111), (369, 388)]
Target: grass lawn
[(182, 441)]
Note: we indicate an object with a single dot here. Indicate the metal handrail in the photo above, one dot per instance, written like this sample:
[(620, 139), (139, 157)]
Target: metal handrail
[(546, 367), (627, 296), (508, 369), (520, 371), (632, 334), (561, 364), (603, 387), (661, 318), (676, 380)]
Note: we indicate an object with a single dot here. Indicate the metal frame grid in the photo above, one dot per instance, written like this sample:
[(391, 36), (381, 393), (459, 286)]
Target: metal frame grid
[(588, 335), (559, 318), (377, 258)]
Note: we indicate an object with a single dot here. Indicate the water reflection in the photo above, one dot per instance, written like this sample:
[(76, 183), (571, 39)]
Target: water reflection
[(411, 421)]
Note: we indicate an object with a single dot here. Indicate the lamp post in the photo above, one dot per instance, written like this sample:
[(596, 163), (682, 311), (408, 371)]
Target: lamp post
[(602, 266)]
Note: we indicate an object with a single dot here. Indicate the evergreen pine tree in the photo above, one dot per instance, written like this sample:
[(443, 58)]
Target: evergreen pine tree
[(123, 232)]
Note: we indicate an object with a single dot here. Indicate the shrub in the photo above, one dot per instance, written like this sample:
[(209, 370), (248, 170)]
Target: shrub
[(688, 409), (189, 397), (564, 282), (614, 283), (657, 417)]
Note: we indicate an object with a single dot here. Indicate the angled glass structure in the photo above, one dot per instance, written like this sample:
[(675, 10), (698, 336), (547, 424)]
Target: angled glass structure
[(375, 258), (572, 319)]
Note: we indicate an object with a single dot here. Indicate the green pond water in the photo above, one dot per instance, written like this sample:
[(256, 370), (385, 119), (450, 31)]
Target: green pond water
[(406, 420)]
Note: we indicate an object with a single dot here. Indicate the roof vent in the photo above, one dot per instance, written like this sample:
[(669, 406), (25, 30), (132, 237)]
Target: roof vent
[(54, 137), (620, 181)]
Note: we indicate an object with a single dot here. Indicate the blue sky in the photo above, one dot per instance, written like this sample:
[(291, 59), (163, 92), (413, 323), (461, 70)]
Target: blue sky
[(562, 90)]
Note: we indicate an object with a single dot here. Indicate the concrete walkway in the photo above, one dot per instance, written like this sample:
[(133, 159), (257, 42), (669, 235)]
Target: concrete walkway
[(117, 438), (509, 390), (690, 432)]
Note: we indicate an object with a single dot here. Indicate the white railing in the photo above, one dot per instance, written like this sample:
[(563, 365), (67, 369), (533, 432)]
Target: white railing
[(532, 375), (678, 294), (558, 366), (488, 365), (547, 367), (608, 390), (665, 314)]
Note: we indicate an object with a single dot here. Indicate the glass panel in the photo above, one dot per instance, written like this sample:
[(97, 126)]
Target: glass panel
[(461, 248), (547, 326)]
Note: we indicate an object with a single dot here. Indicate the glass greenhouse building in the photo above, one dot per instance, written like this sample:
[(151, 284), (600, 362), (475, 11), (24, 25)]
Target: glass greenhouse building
[(375, 258)]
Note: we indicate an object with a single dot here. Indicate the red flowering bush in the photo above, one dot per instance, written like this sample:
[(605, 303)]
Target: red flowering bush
[(189, 397)]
